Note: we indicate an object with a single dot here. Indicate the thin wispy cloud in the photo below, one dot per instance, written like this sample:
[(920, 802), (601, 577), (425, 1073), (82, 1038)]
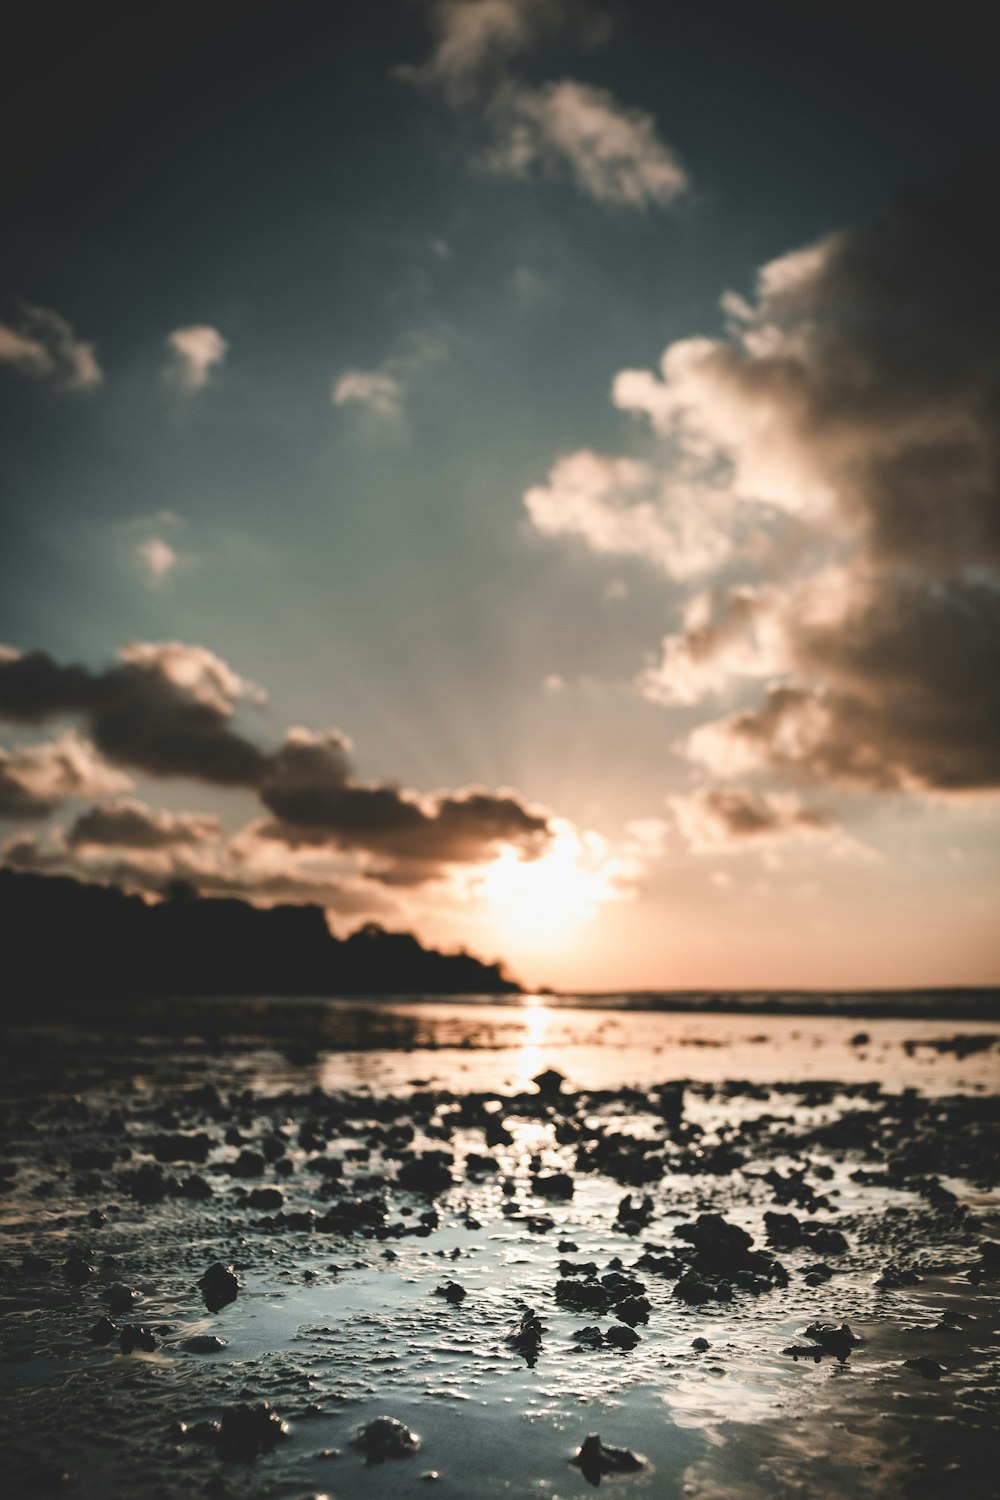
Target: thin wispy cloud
[(42, 345), (156, 559), (563, 129)]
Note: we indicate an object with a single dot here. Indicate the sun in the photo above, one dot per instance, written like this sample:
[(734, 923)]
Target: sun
[(539, 903)]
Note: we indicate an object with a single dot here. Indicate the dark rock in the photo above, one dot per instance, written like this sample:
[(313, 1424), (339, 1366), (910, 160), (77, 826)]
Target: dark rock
[(266, 1198), (219, 1286), (428, 1172), (928, 1368), (633, 1310), (549, 1084), (146, 1185), (204, 1343), (103, 1331), (719, 1244), (590, 1338), (180, 1147), (834, 1339), (121, 1299), (553, 1185), (594, 1460), (584, 1296), (578, 1268), (451, 1291), (136, 1336), (696, 1290), (245, 1431), (621, 1338), (383, 1438), (804, 1351), (526, 1337), (700, 1344), (76, 1269), (247, 1164), (195, 1187)]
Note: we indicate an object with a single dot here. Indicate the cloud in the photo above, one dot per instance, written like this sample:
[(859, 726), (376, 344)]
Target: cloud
[(156, 558), (563, 129), (194, 354), (134, 825), (899, 691), (718, 820), (315, 799), (570, 129), (625, 507), (36, 779), (849, 418), (165, 709), (43, 345), (379, 391)]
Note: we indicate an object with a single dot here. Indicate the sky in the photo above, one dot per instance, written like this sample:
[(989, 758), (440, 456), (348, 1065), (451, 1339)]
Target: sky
[(522, 471)]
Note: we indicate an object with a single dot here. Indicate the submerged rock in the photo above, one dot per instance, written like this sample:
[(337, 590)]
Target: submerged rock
[(928, 1368), (833, 1339), (451, 1291), (204, 1343), (526, 1337), (383, 1438), (246, 1431), (136, 1336), (595, 1459), (219, 1286)]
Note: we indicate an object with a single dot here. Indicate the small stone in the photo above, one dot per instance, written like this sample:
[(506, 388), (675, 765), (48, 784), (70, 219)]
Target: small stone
[(204, 1343), (700, 1344), (219, 1286), (383, 1438), (928, 1368), (594, 1459)]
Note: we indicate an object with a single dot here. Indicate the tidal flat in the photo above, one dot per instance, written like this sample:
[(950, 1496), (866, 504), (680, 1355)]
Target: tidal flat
[(756, 1255)]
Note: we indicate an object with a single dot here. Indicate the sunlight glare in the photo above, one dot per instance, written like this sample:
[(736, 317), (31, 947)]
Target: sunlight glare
[(539, 903)]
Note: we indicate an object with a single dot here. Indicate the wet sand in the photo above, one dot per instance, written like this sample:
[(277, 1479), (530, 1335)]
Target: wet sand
[(418, 1231)]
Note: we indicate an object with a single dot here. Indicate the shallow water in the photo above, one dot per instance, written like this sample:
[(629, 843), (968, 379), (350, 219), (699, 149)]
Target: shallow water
[(335, 1330)]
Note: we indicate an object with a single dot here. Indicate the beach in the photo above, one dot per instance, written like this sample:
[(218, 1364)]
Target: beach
[(755, 1254)]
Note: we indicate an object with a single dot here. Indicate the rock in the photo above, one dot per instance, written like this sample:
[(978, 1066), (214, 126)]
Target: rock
[(928, 1368), (266, 1198), (621, 1338), (526, 1337), (136, 1336), (428, 1172), (121, 1299), (194, 1187), (103, 1331), (147, 1184), (76, 1269), (383, 1438), (834, 1340), (180, 1147), (892, 1276), (633, 1310), (719, 1244), (219, 1286), (451, 1291), (553, 1185), (204, 1343), (245, 1431), (549, 1084), (584, 1296), (804, 1351), (700, 1344), (696, 1291), (247, 1164), (594, 1459)]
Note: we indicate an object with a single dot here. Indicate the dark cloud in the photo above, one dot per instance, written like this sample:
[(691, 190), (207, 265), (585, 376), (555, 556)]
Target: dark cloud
[(309, 788), (133, 825), (165, 709), (907, 694)]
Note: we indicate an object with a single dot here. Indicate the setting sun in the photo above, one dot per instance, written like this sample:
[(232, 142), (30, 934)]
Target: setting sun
[(539, 903)]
